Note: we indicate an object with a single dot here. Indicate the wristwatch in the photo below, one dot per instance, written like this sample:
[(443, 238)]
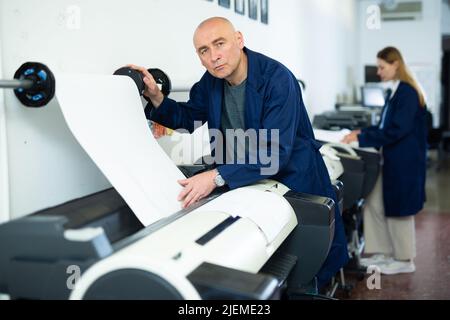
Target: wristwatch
[(218, 180)]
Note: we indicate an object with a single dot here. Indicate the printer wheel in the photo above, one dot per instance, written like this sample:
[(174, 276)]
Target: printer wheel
[(131, 284)]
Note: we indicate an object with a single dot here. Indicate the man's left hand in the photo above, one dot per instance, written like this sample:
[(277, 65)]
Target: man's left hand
[(197, 187)]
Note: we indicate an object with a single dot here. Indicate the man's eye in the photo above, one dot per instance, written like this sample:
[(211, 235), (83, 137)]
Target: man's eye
[(202, 52), (219, 44)]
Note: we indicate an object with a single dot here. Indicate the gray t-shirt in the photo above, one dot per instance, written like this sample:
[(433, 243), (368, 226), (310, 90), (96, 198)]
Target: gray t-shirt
[(233, 117)]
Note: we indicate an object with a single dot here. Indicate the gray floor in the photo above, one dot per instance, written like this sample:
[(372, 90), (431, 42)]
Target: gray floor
[(438, 185)]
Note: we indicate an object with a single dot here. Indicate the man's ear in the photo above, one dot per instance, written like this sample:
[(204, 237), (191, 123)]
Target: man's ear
[(240, 39)]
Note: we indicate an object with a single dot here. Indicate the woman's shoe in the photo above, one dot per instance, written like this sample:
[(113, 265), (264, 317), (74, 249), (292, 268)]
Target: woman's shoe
[(397, 266), (375, 260)]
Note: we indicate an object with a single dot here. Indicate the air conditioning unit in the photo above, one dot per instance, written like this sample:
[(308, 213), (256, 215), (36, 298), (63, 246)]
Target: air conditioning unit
[(392, 10)]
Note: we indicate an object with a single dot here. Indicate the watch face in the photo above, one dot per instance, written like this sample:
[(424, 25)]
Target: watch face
[(219, 181)]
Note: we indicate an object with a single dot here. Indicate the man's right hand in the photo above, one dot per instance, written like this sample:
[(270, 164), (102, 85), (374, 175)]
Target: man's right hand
[(152, 90)]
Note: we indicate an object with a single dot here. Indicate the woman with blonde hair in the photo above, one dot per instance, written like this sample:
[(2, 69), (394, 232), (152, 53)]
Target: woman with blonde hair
[(399, 193)]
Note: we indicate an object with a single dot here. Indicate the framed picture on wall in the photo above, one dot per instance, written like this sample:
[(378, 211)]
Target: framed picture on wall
[(239, 6), (224, 3), (253, 9), (265, 11)]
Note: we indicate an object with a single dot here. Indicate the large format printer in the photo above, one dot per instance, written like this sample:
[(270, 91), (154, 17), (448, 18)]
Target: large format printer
[(248, 243), (354, 116), (350, 117), (360, 168), (191, 254)]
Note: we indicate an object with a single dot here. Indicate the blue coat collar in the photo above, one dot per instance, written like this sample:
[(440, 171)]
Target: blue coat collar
[(254, 72)]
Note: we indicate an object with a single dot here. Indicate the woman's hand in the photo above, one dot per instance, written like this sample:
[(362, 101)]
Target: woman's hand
[(351, 137)]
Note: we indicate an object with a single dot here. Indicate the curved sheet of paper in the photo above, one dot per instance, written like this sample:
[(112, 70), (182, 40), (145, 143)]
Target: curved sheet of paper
[(336, 137), (267, 210), (105, 115), (330, 136)]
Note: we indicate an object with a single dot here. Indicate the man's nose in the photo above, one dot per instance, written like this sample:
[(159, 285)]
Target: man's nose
[(215, 55)]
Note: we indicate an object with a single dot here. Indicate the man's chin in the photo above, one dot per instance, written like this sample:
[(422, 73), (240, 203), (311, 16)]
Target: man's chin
[(219, 75)]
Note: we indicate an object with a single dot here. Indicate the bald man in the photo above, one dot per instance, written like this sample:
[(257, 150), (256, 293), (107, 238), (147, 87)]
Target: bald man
[(245, 90)]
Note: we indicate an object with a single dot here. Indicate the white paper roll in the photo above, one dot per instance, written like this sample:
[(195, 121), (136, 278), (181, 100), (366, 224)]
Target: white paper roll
[(106, 116)]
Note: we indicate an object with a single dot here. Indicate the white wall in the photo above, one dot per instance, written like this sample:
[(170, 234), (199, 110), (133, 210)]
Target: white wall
[(146, 32), (4, 196), (328, 51), (419, 41), (314, 38), (445, 18)]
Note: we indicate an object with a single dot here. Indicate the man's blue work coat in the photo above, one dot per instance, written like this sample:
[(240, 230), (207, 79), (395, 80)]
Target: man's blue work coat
[(404, 141), (272, 101)]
